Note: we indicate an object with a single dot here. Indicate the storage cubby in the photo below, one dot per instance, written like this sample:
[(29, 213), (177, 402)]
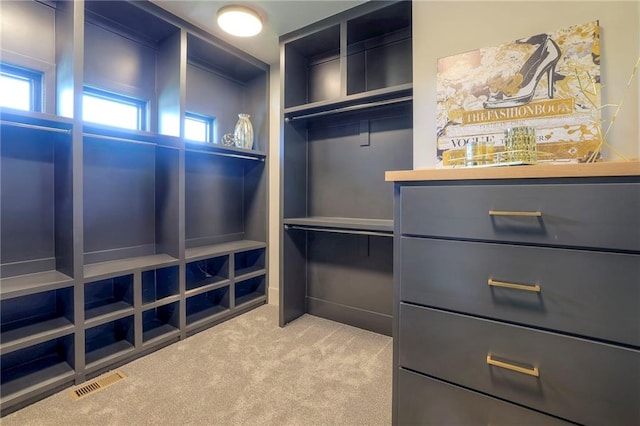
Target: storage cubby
[(312, 68), (130, 201), (35, 197), (379, 49), (161, 321), (225, 200), (335, 175), (362, 56), (109, 340), (32, 318), (249, 261), (249, 290), (158, 284), (207, 271), (50, 364), (349, 279), (206, 305), (108, 296)]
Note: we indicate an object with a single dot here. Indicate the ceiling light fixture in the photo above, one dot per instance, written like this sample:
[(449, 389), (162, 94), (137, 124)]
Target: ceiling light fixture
[(239, 21)]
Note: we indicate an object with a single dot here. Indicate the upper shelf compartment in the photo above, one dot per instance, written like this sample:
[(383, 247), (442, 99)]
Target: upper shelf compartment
[(312, 68), (131, 51), (222, 83), (359, 59), (379, 49), (39, 36)]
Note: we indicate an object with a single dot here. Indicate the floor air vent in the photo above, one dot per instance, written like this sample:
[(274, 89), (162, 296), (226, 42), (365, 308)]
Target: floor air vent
[(96, 385)]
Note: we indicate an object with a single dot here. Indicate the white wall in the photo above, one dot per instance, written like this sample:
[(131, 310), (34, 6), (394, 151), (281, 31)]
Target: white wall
[(444, 28), (274, 184)]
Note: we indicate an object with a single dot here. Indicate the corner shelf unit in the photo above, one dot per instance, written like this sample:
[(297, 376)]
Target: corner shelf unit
[(101, 227), (347, 108)]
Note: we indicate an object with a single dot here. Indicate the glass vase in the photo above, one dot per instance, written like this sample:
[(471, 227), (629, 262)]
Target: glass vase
[(244, 132)]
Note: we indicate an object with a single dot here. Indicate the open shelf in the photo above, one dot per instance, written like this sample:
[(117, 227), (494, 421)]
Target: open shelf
[(23, 285), (117, 267), (129, 32), (207, 305), (250, 290), (365, 101), (100, 132), (379, 49), (324, 73), (130, 204), (35, 197), (225, 151), (225, 201), (158, 284), (108, 297), (207, 271), (50, 52), (334, 176), (160, 321), (35, 120), (195, 253), (247, 262), (312, 68), (218, 71), (109, 340), (34, 318), (36, 367)]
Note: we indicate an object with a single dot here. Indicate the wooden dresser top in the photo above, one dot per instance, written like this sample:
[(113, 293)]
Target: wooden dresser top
[(558, 170)]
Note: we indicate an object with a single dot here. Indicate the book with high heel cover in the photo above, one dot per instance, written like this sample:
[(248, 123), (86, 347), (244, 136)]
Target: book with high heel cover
[(536, 81)]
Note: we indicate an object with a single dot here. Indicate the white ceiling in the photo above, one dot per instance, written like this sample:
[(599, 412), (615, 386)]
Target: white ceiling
[(280, 16)]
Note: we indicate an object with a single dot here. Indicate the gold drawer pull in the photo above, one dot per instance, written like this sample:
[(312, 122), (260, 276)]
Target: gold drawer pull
[(534, 288), (529, 371), (508, 213)]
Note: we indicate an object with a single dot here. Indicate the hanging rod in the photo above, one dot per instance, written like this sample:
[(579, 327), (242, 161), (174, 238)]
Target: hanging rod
[(118, 139), (226, 154), (35, 126), (339, 231), (351, 108)]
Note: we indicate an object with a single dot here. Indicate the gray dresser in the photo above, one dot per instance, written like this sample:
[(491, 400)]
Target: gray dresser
[(517, 295)]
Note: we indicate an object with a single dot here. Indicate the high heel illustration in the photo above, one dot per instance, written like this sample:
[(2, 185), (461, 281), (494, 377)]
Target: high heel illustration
[(542, 62)]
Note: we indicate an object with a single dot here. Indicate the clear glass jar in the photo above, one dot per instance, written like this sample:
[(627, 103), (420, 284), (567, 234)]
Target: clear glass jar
[(520, 144), (243, 133)]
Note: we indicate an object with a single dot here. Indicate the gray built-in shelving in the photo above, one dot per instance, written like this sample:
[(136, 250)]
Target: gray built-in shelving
[(347, 118), (115, 243)]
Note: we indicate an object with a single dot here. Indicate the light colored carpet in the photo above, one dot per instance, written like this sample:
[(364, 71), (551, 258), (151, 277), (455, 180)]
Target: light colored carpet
[(246, 371)]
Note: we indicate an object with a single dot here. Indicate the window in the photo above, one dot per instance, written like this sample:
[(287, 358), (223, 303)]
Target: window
[(198, 128), (108, 108), (20, 88)]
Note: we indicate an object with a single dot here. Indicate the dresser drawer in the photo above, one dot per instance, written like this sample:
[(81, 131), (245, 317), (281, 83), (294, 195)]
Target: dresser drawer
[(426, 401), (588, 293), (582, 381), (579, 215)]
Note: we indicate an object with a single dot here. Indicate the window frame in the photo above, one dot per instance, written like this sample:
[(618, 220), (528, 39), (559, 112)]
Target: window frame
[(139, 104), (208, 121), (35, 79)]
